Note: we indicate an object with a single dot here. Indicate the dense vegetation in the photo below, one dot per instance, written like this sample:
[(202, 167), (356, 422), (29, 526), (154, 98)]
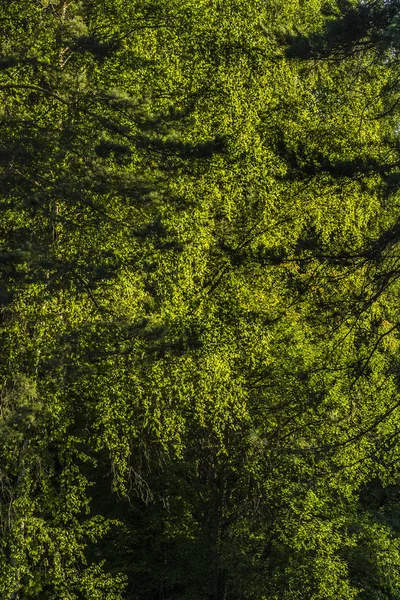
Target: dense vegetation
[(199, 283)]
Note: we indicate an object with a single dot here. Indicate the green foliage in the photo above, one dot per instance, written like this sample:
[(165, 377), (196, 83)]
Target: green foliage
[(199, 300)]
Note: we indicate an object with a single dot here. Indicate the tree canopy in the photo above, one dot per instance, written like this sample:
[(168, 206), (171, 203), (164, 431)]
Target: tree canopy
[(199, 281)]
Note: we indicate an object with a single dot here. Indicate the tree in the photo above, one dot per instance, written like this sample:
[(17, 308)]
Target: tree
[(194, 403)]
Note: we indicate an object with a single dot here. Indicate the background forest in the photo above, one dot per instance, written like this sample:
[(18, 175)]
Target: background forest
[(199, 293)]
